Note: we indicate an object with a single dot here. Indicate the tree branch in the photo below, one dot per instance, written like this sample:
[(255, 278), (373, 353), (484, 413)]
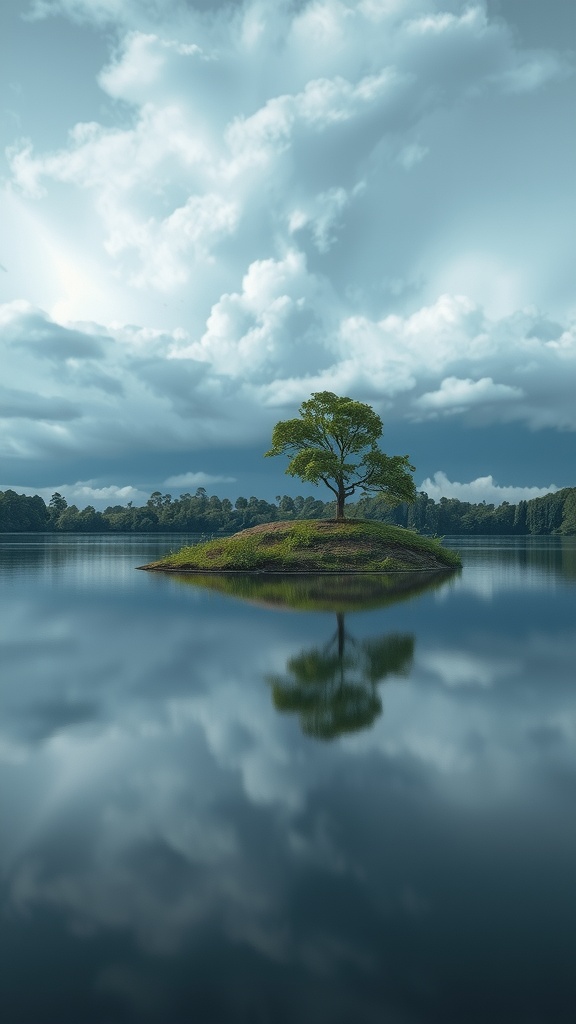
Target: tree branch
[(333, 489)]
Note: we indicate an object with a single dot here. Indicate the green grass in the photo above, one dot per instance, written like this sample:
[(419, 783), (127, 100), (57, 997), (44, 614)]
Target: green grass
[(315, 546)]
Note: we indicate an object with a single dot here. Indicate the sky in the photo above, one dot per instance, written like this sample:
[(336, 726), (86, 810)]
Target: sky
[(211, 210)]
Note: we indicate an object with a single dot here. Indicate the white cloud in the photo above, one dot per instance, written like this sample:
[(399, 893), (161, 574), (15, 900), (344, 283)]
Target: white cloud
[(86, 492), (398, 355), (392, 351), (243, 121), (145, 58), (411, 155), (167, 246), (323, 215), (533, 72), (455, 395), (234, 228), (198, 479), (267, 328), (484, 488)]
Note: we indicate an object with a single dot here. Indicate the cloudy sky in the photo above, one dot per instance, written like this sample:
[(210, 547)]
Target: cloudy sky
[(210, 210)]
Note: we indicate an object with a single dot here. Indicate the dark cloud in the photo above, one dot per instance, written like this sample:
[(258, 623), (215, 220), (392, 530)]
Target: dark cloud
[(175, 380), (553, 26), (53, 341), (47, 719), (16, 404), (93, 377)]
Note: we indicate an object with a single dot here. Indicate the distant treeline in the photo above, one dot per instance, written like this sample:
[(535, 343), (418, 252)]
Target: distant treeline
[(200, 513)]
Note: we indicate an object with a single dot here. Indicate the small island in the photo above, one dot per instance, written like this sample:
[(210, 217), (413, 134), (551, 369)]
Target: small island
[(333, 441), (313, 546)]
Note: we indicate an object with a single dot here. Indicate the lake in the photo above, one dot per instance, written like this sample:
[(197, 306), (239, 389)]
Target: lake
[(304, 801)]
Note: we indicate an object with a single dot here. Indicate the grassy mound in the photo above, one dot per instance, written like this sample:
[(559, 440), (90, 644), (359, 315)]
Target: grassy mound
[(314, 545)]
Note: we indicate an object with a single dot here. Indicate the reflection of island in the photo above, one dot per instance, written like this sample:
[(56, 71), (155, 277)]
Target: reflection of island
[(321, 592), (333, 688)]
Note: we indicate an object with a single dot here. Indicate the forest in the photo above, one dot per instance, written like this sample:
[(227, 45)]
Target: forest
[(554, 513)]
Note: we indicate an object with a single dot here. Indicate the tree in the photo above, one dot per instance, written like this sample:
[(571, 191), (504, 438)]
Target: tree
[(335, 441), (56, 507), (19, 512), (569, 512)]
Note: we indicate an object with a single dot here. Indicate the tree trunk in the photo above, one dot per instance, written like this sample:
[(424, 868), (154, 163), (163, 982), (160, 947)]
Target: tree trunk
[(340, 499)]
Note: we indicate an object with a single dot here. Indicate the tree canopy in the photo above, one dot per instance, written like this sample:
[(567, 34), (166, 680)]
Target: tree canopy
[(335, 441)]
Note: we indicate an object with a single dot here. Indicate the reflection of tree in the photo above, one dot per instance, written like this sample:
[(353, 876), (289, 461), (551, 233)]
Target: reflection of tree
[(333, 689)]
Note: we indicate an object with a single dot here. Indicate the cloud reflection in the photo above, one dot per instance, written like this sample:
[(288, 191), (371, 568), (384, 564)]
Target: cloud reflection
[(164, 813)]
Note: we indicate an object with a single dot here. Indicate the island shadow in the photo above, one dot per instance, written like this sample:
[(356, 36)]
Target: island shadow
[(333, 688)]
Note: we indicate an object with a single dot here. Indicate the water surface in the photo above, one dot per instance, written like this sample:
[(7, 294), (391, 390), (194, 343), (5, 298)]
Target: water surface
[(280, 808)]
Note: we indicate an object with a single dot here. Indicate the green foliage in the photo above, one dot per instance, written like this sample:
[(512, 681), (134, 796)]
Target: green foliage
[(568, 525), (72, 520), (335, 441), (56, 506), (553, 513), (20, 513), (544, 515)]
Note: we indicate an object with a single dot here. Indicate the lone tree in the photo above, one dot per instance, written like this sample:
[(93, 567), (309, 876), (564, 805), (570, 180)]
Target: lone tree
[(335, 441)]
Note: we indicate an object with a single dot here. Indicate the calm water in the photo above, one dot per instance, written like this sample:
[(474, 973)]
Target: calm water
[(330, 807)]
